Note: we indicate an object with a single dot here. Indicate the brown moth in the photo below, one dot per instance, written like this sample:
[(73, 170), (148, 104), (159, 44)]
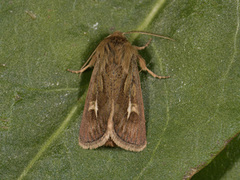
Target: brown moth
[(113, 112)]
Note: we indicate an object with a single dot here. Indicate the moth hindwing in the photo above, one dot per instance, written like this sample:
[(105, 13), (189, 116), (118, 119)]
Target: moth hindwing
[(113, 112)]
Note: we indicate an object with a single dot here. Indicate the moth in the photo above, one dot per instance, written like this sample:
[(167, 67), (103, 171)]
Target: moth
[(114, 113)]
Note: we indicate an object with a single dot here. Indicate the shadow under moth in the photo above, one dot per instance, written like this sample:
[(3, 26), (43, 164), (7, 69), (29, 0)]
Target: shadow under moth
[(113, 113)]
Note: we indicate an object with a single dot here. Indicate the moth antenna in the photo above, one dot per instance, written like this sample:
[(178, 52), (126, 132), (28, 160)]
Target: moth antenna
[(150, 34)]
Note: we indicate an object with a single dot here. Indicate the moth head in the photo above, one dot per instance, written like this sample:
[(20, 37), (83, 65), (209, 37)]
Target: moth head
[(117, 33)]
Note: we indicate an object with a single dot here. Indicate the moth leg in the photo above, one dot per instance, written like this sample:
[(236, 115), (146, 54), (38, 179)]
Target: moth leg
[(144, 68), (85, 66), (79, 71), (146, 45)]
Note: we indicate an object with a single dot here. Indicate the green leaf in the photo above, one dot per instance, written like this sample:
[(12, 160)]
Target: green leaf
[(225, 165), (190, 117)]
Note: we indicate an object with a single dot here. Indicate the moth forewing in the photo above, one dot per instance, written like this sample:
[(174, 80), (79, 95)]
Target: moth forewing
[(113, 112)]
